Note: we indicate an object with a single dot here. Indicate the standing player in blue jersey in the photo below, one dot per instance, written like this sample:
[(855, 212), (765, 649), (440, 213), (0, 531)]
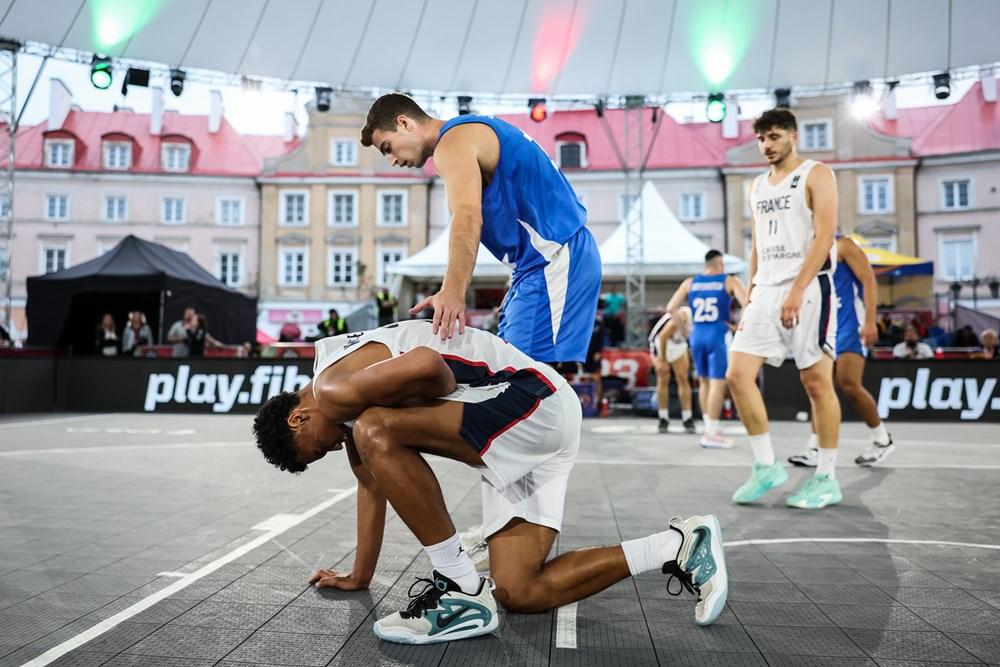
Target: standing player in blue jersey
[(857, 296), (710, 296), (503, 191)]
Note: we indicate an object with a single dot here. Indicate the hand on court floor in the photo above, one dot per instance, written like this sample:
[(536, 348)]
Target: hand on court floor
[(869, 335), (790, 308), (330, 579), (448, 307)]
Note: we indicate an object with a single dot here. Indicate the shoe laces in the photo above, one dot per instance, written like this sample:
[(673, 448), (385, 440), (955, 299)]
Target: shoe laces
[(686, 579), (427, 598)]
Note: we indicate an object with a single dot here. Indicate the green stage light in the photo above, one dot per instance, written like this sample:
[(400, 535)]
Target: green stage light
[(715, 109), (100, 72)]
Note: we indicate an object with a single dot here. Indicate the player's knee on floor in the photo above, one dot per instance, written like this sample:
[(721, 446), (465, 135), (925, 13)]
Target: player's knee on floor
[(520, 595)]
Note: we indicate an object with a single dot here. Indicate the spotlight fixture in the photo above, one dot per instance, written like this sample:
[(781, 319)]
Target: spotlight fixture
[(783, 98), (464, 105), (942, 85), (538, 111), (177, 77), (715, 108), (600, 107), (323, 98), (135, 77), (100, 72)]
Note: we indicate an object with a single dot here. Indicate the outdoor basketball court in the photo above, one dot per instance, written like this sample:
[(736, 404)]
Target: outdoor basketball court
[(174, 537)]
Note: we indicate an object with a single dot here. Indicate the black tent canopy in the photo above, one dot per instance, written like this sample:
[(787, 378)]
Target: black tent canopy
[(65, 307)]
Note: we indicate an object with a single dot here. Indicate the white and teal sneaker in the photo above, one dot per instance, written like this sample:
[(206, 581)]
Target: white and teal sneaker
[(816, 492), (876, 453), (762, 479), (441, 612), (700, 565)]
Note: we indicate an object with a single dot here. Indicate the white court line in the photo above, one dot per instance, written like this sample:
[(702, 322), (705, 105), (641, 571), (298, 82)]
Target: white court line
[(56, 652), (122, 448), (56, 420), (744, 464), (858, 540), (566, 626)]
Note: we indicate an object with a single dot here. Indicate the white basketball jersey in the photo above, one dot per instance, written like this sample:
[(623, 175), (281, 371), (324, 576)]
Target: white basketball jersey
[(474, 348), (783, 226)]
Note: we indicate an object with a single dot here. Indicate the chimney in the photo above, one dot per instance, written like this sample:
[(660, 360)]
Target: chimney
[(731, 123), (989, 83), (156, 117), (291, 126), (214, 111), (60, 103)]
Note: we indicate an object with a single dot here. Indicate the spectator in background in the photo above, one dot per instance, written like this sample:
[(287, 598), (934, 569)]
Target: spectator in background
[(107, 342), (290, 333), (614, 311), (919, 326), (965, 337), (136, 333), (386, 303), (178, 332), (5, 340), (990, 351), (912, 347), (199, 338), (334, 325)]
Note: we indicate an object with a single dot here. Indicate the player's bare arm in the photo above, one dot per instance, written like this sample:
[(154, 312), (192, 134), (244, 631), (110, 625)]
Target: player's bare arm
[(821, 194), (679, 298), (849, 252), (737, 289)]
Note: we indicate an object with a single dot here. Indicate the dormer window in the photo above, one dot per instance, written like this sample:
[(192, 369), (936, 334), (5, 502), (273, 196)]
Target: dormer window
[(343, 153), (117, 155), (176, 157), (571, 151), (59, 153)]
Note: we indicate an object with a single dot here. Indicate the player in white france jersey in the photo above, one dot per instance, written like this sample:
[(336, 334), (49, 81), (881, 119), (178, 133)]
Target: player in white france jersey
[(791, 308), (394, 394)]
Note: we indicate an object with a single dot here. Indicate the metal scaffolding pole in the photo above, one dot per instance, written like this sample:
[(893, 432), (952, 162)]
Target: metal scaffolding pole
[(8, 117), (635, 274)]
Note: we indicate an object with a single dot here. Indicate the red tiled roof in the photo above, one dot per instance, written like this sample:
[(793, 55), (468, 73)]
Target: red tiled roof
[(223, 153)]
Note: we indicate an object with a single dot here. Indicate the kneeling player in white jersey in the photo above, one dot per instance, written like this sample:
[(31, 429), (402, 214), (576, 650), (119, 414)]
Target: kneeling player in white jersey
[(791, 307), (391, 394), (668, 345)]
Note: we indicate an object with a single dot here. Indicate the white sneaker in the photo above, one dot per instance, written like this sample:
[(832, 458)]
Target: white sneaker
[(876, 453), (700, 565), (716, 441), (808, 458), (441, 612)]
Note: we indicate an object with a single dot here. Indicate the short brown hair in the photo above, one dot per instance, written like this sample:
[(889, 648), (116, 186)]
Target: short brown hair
[(384, 111), (781, 117)]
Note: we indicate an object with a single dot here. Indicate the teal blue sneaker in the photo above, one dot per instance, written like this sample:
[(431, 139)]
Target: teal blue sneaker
[(441, 612), (817, 491), (700, 566), (762, 479)]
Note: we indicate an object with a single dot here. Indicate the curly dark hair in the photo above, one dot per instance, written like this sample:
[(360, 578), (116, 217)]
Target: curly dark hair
[(782, 118), (274, 439)]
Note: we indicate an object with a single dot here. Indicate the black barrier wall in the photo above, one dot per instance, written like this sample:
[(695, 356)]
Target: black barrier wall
[(944, 391), (27, 384)]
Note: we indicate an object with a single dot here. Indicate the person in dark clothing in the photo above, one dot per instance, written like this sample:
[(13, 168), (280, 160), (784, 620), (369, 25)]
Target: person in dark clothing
[(965, 337), (198, 337), (107, 341), (386, 306), (334, 325)]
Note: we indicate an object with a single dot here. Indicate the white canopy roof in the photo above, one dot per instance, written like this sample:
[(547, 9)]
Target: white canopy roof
[(670, 250), (527, 47), (430, 262)]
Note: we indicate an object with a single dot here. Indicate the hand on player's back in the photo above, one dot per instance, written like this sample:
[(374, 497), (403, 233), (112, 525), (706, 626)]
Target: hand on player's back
[(448, 307)]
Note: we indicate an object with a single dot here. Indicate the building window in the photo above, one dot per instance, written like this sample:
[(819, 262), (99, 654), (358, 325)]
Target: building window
[(115, 208), (692, 206), (958, 256), (955, 194), (882, 242), (571, 154), (117, 155), (173, 210), (386, 258), (59, 153), (230, 211), (53, 258), (343, 153), (294, 207), (625, 203), (392, 208), (229, 267), (875, 195), (57, 207), (176, 157), (817, 136), (293, 267), (344, 208), (342, 267)]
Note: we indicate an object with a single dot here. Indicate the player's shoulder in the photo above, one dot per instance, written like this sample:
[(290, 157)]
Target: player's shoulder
[(818, 171)]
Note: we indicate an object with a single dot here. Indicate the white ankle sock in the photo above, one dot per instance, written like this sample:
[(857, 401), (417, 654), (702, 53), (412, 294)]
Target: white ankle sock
[(450, 559), (712, 427), (686, 415), (664, 415), (651, 552), (880, 435), (762, 451), (813, 441), (827, 462)]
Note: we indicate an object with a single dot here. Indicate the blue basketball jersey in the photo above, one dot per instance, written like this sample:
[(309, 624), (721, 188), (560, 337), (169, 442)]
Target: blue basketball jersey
[(850, 306), (529, 208), (710, 307)]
